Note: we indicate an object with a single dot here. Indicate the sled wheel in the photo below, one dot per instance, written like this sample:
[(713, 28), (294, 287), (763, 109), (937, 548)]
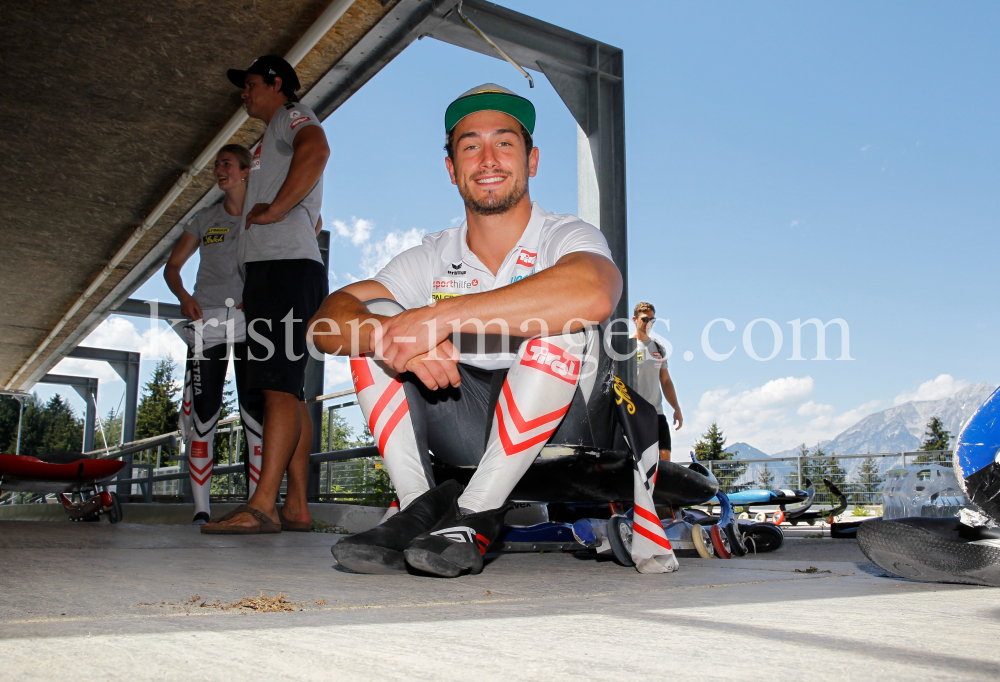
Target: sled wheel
[(721, 542), (115, 514), (811, 522), (620, 539), (702, 542), (760, 517), (736, 544), (744, 516), (777, 517)]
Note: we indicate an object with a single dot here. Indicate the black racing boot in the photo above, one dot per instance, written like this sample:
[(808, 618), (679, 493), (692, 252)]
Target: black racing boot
[(457, 543), (380, 550), (933, 550)]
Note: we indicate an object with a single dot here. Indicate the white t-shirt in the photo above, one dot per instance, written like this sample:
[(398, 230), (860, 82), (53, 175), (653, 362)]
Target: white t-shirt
[(295, 236), (218, 277), (443, 266), (650, 358)]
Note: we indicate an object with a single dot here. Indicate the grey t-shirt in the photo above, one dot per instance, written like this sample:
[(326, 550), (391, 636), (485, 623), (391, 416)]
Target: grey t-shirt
[(218, 275), (650, 358), (295, 236)]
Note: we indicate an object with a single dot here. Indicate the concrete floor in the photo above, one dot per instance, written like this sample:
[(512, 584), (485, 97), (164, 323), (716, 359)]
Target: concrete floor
[(98, 602)]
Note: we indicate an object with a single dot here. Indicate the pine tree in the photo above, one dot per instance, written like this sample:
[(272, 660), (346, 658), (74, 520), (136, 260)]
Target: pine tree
[(869, 480), (157, 411), (935, 438), (712, 446), (51, 427), (765, 479), (820, 465), (110, 427)]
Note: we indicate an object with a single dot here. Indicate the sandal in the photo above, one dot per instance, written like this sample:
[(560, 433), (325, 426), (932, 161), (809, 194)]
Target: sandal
[(294, 526), (264, 524)]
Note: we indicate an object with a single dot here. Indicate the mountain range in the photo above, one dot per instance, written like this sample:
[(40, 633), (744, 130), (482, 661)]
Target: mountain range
[(897, 429)]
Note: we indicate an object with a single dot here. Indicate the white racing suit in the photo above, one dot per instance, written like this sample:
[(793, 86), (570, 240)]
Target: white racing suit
[(558, 390), (209, 341)]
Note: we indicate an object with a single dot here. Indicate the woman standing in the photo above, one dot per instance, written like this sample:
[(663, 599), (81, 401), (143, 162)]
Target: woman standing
[(217, 322)]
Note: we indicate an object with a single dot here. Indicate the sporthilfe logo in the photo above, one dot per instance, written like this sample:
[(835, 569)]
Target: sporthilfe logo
[(526, 258), (551, 359), (299, 120)]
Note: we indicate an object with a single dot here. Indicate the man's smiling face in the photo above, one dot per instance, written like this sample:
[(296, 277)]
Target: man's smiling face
[(491, 165)]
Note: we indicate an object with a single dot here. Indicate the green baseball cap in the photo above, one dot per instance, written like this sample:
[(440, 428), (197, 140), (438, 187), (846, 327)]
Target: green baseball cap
[(490, 97)]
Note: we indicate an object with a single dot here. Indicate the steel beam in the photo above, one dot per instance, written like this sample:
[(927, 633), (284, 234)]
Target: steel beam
[(87, 388), (126, 364), (168, 312)]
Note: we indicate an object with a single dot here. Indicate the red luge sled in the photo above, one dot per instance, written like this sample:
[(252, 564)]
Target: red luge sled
[(82, 477)]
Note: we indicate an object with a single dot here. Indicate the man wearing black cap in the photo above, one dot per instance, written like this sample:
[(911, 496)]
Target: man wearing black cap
[(432, 376), (284, 284)]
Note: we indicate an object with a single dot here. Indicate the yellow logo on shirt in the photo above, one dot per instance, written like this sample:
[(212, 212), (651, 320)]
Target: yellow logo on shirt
[(441, 297), (213, 239), (217, 230)]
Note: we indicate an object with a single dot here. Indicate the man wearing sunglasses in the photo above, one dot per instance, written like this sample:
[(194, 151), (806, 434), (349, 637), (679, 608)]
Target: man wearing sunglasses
[(652, 374)]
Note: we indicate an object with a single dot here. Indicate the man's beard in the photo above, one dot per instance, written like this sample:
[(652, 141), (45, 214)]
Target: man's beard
[(493, 203)]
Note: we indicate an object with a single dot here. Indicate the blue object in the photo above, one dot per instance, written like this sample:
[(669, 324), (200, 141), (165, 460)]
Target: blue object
[(540, 532), (583, 530), (976, 457)]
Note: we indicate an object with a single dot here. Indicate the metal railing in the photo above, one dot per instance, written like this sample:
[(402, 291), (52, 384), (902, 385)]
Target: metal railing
[(859, 477)]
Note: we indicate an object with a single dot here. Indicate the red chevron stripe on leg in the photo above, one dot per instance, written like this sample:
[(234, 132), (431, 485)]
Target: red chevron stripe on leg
[(201, 476), (390, 425), (522, 424), (384, 401), (199, 470), (511, 448)]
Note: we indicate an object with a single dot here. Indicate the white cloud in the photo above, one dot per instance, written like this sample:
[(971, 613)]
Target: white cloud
[(773, 417), (457, 220), (814, 409), (337, 373), (357, 232), (375, 256), (944, 386), (795, 223), (866, 147)]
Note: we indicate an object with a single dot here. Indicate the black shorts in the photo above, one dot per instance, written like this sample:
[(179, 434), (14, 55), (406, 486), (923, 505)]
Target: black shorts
[(272, 289), (661, 422)]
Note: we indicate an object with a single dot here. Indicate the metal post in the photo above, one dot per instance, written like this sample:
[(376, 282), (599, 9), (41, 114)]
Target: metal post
[(20, 418), (798, 463), (87, 388), (126, 364), (329, 429), (315, 370)]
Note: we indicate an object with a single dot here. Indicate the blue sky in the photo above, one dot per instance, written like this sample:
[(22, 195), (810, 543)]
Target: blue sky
[(784, 161)]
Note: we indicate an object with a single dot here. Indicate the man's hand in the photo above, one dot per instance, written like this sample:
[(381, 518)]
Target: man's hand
[(678, 420), (263, 214), (190, 308), (437, 368), (406, 336)]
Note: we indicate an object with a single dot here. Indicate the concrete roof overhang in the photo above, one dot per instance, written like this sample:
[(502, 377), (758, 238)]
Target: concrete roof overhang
[(107, 105), (113, 103)]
